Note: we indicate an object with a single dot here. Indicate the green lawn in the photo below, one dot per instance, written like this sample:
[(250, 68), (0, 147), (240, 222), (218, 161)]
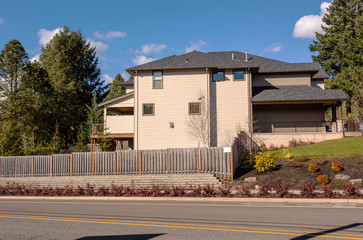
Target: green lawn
[(345, 146)]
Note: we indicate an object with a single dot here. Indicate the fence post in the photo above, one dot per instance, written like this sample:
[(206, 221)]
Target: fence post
[(167, 161), (71, 164), (140, 161), (198, 159), (32, 166), (0, 167), (15, 167), (232, 160), (92, 163), (115, 163), (51, 166)]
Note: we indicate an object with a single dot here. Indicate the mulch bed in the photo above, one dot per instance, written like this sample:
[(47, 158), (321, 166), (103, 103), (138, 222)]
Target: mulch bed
[(296, 171)]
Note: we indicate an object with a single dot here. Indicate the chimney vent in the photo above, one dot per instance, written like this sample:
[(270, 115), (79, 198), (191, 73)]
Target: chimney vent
[(232, 56), (246, 56)]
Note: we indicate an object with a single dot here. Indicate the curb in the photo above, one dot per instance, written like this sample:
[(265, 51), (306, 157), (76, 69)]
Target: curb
[(191, 199)]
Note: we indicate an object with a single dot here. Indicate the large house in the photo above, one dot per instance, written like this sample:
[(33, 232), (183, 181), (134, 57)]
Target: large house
[(199, 99)]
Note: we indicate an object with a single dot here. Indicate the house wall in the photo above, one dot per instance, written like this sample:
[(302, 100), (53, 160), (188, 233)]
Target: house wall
[(318, 84), (229, 104), (171, 105), (129, 89), (282, 79), (289, 117), (119, 124), (126, 102)]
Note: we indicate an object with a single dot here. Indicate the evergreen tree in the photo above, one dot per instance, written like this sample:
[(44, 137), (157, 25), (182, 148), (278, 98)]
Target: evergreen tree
[(94, 116), (340, 47), (116, 89), (71, 64)]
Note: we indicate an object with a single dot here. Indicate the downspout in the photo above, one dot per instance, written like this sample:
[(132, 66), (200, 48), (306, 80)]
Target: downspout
[(250, 109), (208, 106), (136, 128)]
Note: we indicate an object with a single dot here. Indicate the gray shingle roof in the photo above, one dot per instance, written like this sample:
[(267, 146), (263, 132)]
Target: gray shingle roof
[(224, 60), (129, 82), (296, 93)]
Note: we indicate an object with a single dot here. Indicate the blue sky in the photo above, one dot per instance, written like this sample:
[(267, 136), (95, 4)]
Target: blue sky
[(127, 33)]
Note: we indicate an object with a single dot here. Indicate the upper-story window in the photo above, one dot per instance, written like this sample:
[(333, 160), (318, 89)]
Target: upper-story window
[(238, 74), (218, 75), (194, 108), (157, 79)]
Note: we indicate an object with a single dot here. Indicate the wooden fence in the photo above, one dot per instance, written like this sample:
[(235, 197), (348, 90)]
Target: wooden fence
[(216, 160)]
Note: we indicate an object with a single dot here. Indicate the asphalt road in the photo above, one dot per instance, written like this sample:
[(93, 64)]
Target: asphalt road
[(101, 219)]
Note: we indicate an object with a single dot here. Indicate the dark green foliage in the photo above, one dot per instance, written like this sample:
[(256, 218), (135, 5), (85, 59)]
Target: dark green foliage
[(81, 144), (94, 116), (10, 139), (116, 89), (339, 48)]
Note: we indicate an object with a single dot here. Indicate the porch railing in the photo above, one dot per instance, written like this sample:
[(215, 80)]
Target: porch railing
[(298, 126)]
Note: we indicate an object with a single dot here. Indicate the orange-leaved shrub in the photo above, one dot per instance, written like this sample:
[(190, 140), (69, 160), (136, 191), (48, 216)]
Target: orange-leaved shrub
[(313, 167), (336, 166), (323, 179)]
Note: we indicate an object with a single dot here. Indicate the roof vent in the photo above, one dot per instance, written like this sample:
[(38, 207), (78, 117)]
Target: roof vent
[(232, 56), (187, 61), (246, 56)]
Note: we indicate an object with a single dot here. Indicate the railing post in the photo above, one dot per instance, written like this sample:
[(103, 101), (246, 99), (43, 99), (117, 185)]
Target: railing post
[(32, 166), (140, 162), (115, 163), (71, 164), (167, 161), (15, 167), (198, 159), (51, 166)]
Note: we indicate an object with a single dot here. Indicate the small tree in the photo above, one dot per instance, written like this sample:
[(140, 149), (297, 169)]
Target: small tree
[(116, 89), (94, 116)]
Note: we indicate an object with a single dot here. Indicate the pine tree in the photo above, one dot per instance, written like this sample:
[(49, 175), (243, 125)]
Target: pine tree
[(116, 89), (94, 116), (340, 47), (74, 75)]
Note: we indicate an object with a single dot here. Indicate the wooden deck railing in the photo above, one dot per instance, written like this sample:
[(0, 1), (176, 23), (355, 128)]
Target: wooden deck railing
[(216, 160)]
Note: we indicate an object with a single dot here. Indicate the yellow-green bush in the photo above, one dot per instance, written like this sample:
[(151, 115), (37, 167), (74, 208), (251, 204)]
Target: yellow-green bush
[(287, 154), (264, 162)]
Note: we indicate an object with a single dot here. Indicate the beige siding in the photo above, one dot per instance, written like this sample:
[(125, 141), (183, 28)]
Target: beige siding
[(263, 80), (126, 102), (318, 84), (171, 105), (120, 124), (229, 103), (129, 89)]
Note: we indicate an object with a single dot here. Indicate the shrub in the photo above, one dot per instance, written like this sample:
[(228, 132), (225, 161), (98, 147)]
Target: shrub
[(263, 190), (297, 143), (177, 191), (144, 192), (350, 190), (313, 167), (195, 191), (89, 191), (67, 191), (116, 190), (328, 192), (323, 179), (264, 162), (307, 190), (224, 191), (79, 191), (287, 154), (103, 191), (243, 191), (282, 189), (208, 191), (336, 166)]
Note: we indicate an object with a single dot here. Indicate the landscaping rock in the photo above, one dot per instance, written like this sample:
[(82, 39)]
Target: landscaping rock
[(342, 177), (355, 181), (250, 179)]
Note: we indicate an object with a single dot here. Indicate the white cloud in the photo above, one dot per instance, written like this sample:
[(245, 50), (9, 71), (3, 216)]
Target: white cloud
[(45, 35), (100, 46), (138, 60), (273, 48), (151, 49), (307, 25), (35, 58), (125, 76), (2, 21), (109, 35), (108, 79), (195, 45)]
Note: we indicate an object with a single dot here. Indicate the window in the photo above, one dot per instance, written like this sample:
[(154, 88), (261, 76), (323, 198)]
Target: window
[(194, 108), (218, 75), (148, 109), (157, 79), (238, 75)]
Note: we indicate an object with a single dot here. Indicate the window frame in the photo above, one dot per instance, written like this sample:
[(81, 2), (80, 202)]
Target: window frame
[(162, 79), (219, 70), (143, 109), (239, 70), (200, 108)]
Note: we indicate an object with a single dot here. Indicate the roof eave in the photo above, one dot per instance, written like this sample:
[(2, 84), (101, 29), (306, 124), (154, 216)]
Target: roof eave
[(112, 100)]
